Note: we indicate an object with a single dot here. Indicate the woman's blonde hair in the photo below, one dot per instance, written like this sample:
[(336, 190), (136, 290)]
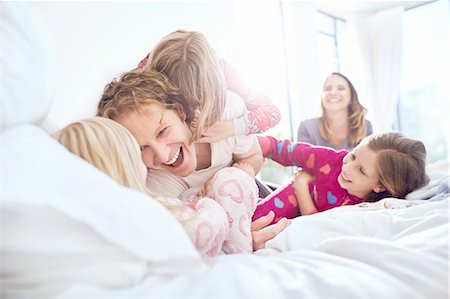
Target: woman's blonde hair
[(136, 89), (401, 164), (110, 147), (190, 62), (356, 116)]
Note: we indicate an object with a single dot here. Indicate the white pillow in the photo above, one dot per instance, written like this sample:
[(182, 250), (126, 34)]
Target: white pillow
[(28, 68), (42, 173)]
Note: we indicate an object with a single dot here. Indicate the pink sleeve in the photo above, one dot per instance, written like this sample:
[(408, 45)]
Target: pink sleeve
[(143, 62), (262, 113), (299, 154)]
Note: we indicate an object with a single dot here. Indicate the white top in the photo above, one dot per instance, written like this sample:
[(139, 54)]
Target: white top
[(167, 184)]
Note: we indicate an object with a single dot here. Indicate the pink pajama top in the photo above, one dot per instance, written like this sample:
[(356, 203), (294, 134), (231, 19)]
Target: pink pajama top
[(322, 162)]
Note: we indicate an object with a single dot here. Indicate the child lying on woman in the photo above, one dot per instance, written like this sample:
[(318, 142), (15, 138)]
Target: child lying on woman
[(382, 165), (218, 225)]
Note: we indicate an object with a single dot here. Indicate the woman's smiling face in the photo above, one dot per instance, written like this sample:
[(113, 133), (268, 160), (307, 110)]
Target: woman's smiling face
[(336, 94), (163, 138)]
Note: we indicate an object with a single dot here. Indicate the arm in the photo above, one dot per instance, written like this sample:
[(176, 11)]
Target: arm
[(253, 157), (262, 114), (301, 189), (305, 155)]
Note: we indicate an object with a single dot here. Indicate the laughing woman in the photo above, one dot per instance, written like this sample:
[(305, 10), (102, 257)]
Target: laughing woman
[(151, 108), (342, 124)]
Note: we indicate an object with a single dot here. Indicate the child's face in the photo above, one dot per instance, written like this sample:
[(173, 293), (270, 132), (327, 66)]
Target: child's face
[(359, 175), (163, 138), (336, 93)]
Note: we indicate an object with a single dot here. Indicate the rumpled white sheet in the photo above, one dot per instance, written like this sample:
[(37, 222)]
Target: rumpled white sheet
[(348, 252)]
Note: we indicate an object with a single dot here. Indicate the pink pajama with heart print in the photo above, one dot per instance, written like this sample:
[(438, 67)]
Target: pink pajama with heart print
[(220, 222), (322, 162)]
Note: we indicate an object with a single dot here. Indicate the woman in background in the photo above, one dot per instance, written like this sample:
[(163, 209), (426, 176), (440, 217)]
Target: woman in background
[(342, 124)]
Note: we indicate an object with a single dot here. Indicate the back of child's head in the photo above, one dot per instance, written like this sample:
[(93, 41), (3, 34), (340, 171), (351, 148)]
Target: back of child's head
[(136, 89), (111, 148), (108, 146), (401, 164), (190, 62)]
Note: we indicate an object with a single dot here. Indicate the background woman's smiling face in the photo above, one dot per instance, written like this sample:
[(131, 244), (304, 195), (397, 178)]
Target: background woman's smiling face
[(336, 94), (164, 139)]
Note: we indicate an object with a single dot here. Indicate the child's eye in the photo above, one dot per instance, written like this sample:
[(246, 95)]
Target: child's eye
[(362, 171), (143, 147)]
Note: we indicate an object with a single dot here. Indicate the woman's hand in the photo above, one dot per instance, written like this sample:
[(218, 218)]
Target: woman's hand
[(218, 131), (260, 236)]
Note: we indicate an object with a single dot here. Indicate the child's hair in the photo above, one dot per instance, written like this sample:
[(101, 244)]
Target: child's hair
[(110, 147), (136, 89), (356, 115), (401, 164), (190, 62)]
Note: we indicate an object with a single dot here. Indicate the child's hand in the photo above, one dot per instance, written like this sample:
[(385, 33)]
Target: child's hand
[(218, 131), (245, 167)]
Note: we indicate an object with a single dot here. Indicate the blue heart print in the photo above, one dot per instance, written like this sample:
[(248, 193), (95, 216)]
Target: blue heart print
[(278, 203), (280, 147), (332, 199), (292, 147)]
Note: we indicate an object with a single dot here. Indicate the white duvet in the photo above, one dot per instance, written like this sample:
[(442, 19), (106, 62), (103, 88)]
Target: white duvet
[(346, 253)]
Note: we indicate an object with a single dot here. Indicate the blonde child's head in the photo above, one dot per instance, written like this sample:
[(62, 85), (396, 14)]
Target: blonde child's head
[(401, 164), (190, 62), (112, 149), (108, 146)]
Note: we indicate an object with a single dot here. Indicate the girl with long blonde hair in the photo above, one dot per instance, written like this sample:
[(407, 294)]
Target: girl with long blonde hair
[(190, 62)]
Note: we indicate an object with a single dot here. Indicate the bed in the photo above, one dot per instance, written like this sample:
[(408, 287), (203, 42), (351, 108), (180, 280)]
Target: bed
[(69, 231)]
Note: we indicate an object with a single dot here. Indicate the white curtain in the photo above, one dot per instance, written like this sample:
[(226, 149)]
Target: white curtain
[(371, 58), (302, 60)]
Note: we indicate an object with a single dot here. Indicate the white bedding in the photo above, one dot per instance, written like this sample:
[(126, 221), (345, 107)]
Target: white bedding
[(400, 253), (69, 231)]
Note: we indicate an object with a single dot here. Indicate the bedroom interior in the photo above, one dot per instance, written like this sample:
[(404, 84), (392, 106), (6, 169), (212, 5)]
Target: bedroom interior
[(69, 231)]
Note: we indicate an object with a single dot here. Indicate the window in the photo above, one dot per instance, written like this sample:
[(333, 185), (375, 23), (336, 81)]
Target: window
[(328, 31), (423, 109)]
